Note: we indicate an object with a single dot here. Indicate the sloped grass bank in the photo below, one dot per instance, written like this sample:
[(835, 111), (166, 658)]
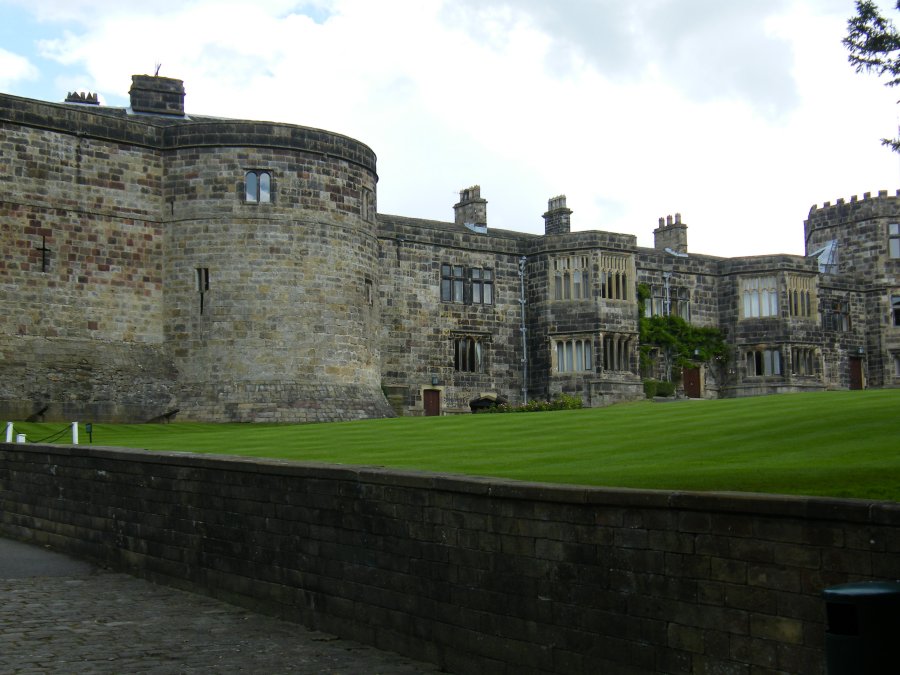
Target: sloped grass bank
[(842, 444)]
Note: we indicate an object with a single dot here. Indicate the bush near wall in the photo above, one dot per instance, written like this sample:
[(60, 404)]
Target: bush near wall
[(653, 388), (561, 402)]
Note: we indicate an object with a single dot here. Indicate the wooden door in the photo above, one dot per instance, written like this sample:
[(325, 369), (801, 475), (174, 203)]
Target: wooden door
[(690, 377), (432, 401), (856, 379)]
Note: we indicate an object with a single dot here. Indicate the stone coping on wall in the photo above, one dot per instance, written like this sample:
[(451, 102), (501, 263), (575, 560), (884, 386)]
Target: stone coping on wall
[(747, 503)]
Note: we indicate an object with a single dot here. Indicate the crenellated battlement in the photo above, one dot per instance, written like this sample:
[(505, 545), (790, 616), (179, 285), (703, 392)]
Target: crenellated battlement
[(867, 196)]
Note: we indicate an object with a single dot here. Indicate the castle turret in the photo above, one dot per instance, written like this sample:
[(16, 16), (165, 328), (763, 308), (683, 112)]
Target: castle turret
[(557, 220), (471, 209), (157, 95), (671, 234)]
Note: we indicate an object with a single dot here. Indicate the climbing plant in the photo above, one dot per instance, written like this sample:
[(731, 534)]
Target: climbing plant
[(677, 342)]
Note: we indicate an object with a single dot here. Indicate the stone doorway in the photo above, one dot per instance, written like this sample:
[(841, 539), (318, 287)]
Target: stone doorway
[(856, 376), (431, 399), (690, 378)]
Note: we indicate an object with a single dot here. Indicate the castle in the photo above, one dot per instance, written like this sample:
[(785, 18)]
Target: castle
[(155, 262)]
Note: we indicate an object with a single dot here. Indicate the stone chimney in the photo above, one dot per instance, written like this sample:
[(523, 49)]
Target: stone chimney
[(81, 97), (557, 220), (471, 210), (671, 235), (157, 95)]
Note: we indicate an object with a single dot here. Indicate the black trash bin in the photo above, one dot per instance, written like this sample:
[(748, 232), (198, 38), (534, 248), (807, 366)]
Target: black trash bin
[(863, 632)]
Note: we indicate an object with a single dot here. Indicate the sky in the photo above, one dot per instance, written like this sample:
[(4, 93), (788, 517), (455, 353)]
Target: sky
[(738, 115)]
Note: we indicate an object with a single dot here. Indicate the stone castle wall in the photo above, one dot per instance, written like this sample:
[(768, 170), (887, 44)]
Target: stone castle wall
[(287, 330), (128, 233), (129, 208), (419, 330), (82, 320)]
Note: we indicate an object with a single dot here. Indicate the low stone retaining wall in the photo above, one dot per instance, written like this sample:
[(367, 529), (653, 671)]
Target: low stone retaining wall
[(478, 575)]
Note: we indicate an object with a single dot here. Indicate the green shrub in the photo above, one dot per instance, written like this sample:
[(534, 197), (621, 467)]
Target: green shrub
[(561, 402), (650, 388), (665, 388)]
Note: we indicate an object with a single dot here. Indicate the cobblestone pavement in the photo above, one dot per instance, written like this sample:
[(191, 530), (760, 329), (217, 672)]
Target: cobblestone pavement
[(74, 618)]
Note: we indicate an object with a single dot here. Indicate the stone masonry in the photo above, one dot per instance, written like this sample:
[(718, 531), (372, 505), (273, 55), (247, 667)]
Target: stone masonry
[(158, 263)]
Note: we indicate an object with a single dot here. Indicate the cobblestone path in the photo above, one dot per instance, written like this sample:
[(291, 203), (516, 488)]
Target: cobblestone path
[(78, 619)]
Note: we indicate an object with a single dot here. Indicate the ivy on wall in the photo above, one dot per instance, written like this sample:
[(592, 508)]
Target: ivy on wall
[(676, 342)]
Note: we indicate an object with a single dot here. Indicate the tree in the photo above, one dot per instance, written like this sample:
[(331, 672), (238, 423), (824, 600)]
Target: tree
[(874, 46)]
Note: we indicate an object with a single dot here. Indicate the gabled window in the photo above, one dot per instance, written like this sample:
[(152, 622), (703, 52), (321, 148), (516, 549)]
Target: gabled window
[(759, 296), (894, 240), (573, 355), (258, 187)]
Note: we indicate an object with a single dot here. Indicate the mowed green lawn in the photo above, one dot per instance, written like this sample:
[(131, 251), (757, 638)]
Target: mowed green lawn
[(843, 444)]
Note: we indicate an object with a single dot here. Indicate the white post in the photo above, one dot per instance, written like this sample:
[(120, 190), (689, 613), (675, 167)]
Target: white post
[(74, 433), (20, 438), (9, 432)]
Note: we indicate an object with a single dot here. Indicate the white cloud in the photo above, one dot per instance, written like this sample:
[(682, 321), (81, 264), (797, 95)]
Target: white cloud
[(14, 68), (738, 115)]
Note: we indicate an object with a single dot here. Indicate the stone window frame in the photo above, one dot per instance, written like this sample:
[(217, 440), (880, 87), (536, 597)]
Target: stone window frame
[(759, 297), (617, 352), (571, 277), (367, 207), (679, 302), (467, 285), (893, 233), (895, 357), (764, 362), (572, 354), (615, 277), (453, 283), (255, 194), (804, 361), (470, 352), (836, 315), (481, 280), (801, 294), (202, 276)]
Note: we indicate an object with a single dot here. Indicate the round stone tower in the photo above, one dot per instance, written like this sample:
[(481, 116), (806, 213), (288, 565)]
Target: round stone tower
[(271, 277)]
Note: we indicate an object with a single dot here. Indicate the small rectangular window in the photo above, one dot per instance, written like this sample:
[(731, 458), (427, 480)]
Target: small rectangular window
[(894, 240), (895, 310), (202, 284)]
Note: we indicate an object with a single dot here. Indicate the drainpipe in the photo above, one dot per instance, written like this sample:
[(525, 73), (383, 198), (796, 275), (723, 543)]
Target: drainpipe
[(523, 329)]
